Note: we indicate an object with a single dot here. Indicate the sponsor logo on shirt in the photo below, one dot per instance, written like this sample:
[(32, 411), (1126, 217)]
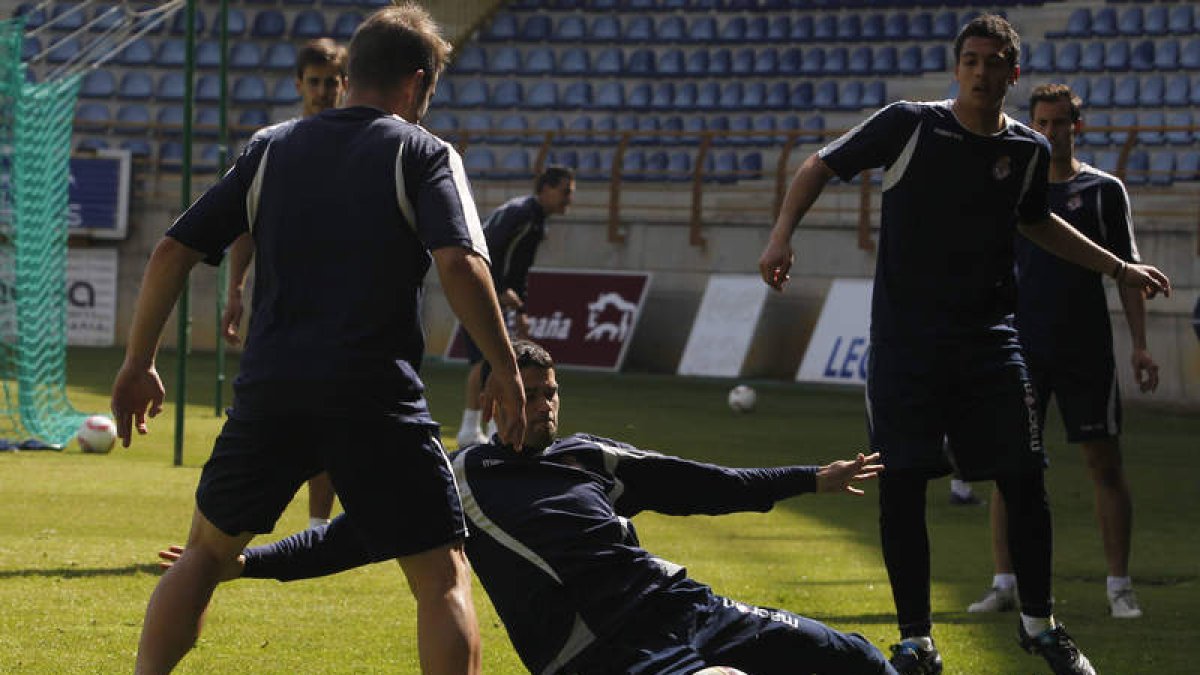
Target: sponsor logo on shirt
[(947, 133), (770, 614), (1003, 168)]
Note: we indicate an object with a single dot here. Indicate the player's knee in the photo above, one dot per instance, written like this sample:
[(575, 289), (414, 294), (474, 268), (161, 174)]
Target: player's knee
[(438, 574)]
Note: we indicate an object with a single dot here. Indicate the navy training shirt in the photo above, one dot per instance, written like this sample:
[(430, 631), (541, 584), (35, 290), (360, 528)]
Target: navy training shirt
[(1062, 313), (550, 537), (513, 232), (951, 203), (344, 208)]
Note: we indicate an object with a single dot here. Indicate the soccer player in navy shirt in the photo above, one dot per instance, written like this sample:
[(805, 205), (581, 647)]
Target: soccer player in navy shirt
[(960, 180), (1062, 315), (553, 545), (348, 209), (513, 233)]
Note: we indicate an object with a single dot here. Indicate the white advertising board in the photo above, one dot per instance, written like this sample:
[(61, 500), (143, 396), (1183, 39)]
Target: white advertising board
[(840, 345), (724, 326)]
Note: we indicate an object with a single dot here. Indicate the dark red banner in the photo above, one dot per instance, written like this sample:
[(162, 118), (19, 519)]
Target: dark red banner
[(585, 318)]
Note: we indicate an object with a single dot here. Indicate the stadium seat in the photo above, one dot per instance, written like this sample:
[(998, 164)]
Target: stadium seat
[(570, 28), (1162, 168), (539, 61), (777, 96), (802, 29), (1166, 55), (779, 29), (754, 95), (345, 25), (268, 24), (479, 161), (505, 60), (132, 117), (849, 28), (535, 29), (1189, 55), (860, 61), (252, 90), (1156, 21), (720, 62), (605, 28), (609, 62), (170, 120), (1082, 88), (471, 60), (920, 27), (1130, 22), (67, 17), (708, 96), (638, 97), (136, 86), (605, 128), (282, 56), (98, 84), (790, 62), (170, 156), (694, 128), (567, 158), (506, 94), (640, 29), (1041, 58), (1122, 122), (440, 122), (647, 127), (1104, 22), (308, 24), (34, 14), (1079, 25), (945, 26), (825, 96), (641, 63), (1116, 56), (672, 128), (1152, 91), (235, 21), (1092, 60), (813, 63), (1176, 94), (610, 96), (679, 166), (543, 94), (283, 92), (208, 122), (549, 124), (208, 89), (502, 28), (873, 28), (179, 23), (802, 96), (1070, 54), (468, 94), (1187, 167), (511, 128), (63, 49), (92, 117), (105, 17), (756, 30), (1107, 161), (850, 97), (171, 53), (1095, 137), (594, 165), (1182, 19), (766, 62), (477, 126), (663, 97), (909, 62), (1137, 168), (933, 59), (574, 61), (702, 30), (685, 96), (874, 94), (671, 29), (1127, 92), (1102, 92), (731, 96), (170, 87), (1141, 57), (825, 28), (895, 27), (577, 95), (91, 144)]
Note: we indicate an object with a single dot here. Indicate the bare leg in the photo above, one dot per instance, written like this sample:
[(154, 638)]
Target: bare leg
[(1000, 556), (176, 609), (1114, 505), (320, 496), (447, 633)]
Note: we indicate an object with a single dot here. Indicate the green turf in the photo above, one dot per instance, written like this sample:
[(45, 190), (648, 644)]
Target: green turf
[(78, 535)]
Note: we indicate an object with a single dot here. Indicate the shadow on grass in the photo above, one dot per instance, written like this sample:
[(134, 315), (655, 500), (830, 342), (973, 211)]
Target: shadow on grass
[(80, 572)]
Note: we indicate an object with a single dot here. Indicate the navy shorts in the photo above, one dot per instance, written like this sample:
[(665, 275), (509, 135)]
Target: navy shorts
[(391, 476), (688, 628), (1088, 398), (963, 406)]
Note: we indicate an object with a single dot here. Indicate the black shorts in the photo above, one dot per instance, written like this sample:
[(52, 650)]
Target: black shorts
[(1088, 398), (973, 395), (391, 476)]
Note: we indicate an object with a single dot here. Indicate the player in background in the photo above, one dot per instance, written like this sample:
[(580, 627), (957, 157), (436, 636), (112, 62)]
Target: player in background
[(348, 210), (513, 232), (961, 180), (553, 545), (1062, 316), (321, 83)]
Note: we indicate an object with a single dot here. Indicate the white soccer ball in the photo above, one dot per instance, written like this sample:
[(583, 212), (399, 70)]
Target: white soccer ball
[(719, 670), (742, 398), (97, 434)]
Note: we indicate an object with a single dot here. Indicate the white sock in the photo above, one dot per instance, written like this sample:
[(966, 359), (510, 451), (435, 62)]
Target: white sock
[(314, 523), (1036, 625), (470, 419), (1005, 581), (923, 641), (491, 430), (1118, 584), (959, 487)]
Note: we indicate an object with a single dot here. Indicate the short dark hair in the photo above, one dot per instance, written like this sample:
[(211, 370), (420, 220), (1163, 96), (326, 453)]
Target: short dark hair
[(529, 354), (995, 27), (552, 176), (1053, 93), (321, 52), (396, 42)]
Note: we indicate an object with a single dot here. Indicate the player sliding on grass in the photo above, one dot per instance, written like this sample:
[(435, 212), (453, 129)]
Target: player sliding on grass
[(553, 546), (348, 209), (961, 180)]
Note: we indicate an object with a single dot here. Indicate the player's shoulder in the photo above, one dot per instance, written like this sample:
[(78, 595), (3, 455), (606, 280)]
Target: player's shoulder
[(1090, 176), (271, 131), (1016, 130)]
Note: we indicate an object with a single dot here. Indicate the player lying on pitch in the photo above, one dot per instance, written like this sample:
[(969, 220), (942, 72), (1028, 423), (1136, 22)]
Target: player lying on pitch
[(553, 546)]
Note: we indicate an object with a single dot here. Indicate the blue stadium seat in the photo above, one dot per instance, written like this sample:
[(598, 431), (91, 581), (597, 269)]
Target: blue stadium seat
[(1041, 58), (510, 129), (283, 92), (1107, 161), (577, 95), (641, 63), (1176, 94), (477, 125), (235, 22), (764, 127), (719, 125), (1130, 22), (208, 88), (281, 56), (1123, 121), (920, 27), (179, 23), (1101, 92), (1189, 56), (1141, 57), (137, 53), (30, 47), (502, 28), (802, 96), (1093, 57), (543, 94), (895, 27), (536, 28), (472, 59), (98, 84), (825, 28), (670, 63), (1153, 89), (610, 96), (663, 97), (552, 124), (708, 96), (605, 130), (252, 90), (1104, 22), (504, 60), (605, 28), (909, 62), (91, 144), (1151, 118), (1079, 25), (756, 30), (742, 62), (754, 95), (479, 161), (1162, 168), (1182, 20), (720, 62), (1166, 55), (671, 29), (851, 96), (567, 158), (208, 54), (672, 127), (766, 62), (1116, 56), (170, 87), (506, 94), (1156, 21), (170, 120), (872, 28), (1187, 167), (63, 49), (171, 53), (790, 62), (136, 86), (170, 156), (1084, 156), (733, 31), (825, 96), (640, 29), (933, 59), (268, 23), (602, 5), (802, 28), (685, 96), (34, 16), (571, 28), (777, 96), (656, 166), (633, 166), (208, 122), (849, 28), (105, 17), (860, 61), (1126, 93), (779, 29), (575, 61), (679, 166), (134, 117), (813, 63), (750, 166), (874, 94), (1095, 137), (1082, 88), (594, 165), (609, 62), (702, 30), (1137, 168), (92, 117), (345, 25), (539, 61), (68, 17), (647, 127), (440, 122), (721, 167), (443, 95), (638, 96), (945, 25), (308, 24), (731, 96), (694, 128), (1070, 54)]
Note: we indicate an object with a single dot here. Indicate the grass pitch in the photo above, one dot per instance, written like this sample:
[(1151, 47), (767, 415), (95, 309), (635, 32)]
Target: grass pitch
[(78, 535)]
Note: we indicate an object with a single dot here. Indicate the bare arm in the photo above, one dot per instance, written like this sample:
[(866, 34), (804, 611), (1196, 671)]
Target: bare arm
[(806, 186), (467, 283), (137, 389), (241, 253), (1145, 370), (1058, 237)]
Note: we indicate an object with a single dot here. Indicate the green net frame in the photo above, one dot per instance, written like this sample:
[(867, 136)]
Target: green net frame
[(35, 147)]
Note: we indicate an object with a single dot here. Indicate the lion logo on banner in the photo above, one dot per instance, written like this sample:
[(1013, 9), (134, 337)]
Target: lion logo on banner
[(617, 314)]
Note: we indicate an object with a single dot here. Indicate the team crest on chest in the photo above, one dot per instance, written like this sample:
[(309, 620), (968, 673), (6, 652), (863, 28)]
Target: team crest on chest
[(1074, 202), (1002, 168)]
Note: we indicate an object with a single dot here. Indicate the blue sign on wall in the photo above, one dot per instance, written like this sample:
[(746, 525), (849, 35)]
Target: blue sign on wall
[(99, 195)]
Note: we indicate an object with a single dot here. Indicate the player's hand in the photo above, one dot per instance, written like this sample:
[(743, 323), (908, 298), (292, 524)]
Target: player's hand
[(1146, 277), (137, 394), (841, 476), (1145, 370), (504, 399), (775, 263), (231, 320), (171, 555)]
